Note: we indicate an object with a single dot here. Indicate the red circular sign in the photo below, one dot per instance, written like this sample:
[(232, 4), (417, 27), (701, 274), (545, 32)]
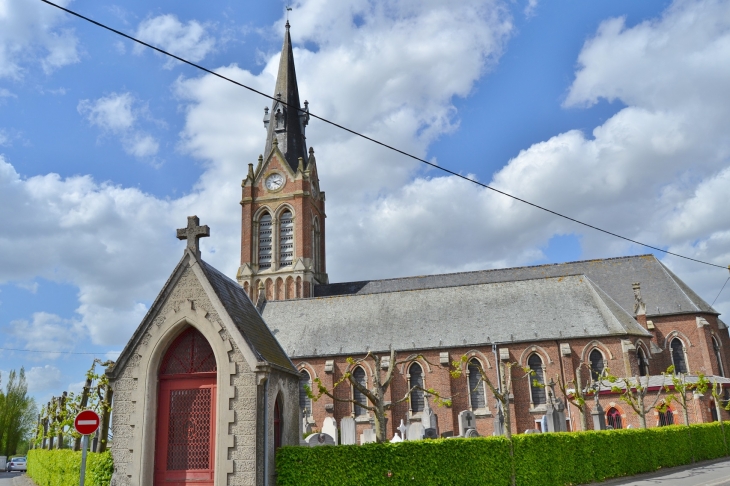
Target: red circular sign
[(87, 422)]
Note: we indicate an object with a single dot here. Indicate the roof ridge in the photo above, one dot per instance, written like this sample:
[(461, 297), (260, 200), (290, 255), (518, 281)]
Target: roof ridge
[(544, 265)]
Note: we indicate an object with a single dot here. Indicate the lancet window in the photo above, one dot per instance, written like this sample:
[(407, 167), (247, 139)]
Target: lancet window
[(718, 356), (265, 241), (359, 375), (415, 373), (643, 362), (537, 380), (476, 385), (305, 403), (678, 358), (597, 364)]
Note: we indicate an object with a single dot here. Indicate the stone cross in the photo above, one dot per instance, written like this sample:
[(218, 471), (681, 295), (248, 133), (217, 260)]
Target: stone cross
[(193, 233)]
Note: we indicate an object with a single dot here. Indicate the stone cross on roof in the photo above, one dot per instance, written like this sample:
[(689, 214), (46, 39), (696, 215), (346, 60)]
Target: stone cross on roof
[(193, 233)]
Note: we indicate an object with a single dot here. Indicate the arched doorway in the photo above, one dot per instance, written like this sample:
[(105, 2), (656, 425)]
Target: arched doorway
[(185, 444)]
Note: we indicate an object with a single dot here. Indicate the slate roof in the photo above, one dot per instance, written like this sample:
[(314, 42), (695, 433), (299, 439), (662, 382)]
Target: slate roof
[(237, 305), (523, 310), (662, 291), (291, 140), (246, 318)]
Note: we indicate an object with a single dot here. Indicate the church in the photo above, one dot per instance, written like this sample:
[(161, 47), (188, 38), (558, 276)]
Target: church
[(212, 381)]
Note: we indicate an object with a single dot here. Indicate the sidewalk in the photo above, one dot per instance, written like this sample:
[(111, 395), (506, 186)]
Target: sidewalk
[(23, 481), (715, 472)]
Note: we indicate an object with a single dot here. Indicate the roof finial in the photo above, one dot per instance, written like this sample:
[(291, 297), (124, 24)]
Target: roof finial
[(288, 9)]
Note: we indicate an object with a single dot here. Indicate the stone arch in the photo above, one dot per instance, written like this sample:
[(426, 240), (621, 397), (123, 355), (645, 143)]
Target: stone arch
[(269, 285), (290, 291), (284, 207), (416, 401), (475, 386), (677, 334), (149, 356), (641, 344), (534, 349), (538, 394), (681, 362), (357, 372), (414, 358), (279, 290), (595, 344), (472, 353), (260, 211)]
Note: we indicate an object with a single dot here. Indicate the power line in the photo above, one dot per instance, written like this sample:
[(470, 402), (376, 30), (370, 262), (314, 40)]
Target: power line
[(382, 144), (723, 288), (50, 352)]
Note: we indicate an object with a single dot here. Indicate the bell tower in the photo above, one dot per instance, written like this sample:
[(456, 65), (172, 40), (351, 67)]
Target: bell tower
[(282, 224)]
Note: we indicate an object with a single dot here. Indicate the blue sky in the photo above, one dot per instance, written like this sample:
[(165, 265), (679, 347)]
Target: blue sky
[(611, 112)]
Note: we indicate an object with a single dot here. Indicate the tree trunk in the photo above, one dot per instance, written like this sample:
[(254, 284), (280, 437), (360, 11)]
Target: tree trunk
[(642, 419), (105, 417), (82, 406), (381, 434), (581, 408), (685, 413), (505, 403)]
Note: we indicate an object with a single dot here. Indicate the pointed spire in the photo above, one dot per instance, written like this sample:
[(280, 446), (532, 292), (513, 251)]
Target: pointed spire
[(286, 121)]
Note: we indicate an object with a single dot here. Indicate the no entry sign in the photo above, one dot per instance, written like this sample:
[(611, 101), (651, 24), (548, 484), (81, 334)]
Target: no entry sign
[(87, 422)]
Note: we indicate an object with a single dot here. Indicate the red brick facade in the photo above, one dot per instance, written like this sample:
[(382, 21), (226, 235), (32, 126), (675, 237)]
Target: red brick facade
[(300, 195), (620, 358)]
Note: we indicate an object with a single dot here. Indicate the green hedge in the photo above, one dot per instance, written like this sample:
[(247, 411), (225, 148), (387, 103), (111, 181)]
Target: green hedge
[(62, 467), (545, 459), (432, 462)]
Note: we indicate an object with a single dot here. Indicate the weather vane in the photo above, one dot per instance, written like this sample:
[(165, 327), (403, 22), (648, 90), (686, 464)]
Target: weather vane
[(288, 9)]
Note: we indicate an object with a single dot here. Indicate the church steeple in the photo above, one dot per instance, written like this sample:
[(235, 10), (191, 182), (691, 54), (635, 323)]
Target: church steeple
[(286, 120), (283, 216)]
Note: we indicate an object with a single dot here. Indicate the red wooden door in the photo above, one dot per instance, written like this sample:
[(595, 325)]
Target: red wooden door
[(185, 445)]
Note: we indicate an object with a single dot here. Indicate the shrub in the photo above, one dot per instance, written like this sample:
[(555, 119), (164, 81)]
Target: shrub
[(545, 459), (62, 467)]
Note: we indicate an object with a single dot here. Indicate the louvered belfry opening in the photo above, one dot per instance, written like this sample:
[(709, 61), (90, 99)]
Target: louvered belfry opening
[(185, 444), (286, 239), (265, 235)]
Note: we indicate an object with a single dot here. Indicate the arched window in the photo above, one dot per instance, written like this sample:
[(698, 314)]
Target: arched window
[(597, 366), (666, 418), (718, 356), (415, 378), (613, 418), (305, 403), (265, 241), (359, 375), (534, 362), (678, 358), (643, 362), (476, 385), (277, 424), (286, 239)]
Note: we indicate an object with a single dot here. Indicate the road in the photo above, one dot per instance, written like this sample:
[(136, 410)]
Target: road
[(6, 478), (713, 474)]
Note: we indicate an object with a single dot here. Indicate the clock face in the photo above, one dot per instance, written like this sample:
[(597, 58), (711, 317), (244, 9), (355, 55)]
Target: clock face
[(274, 182)]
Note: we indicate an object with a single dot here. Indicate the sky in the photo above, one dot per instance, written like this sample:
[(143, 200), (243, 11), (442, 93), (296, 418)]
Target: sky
[(612, 112)]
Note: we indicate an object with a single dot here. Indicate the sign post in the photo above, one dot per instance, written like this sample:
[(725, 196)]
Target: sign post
[(86, 423)]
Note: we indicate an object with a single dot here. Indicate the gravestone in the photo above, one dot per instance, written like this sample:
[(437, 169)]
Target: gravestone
[(429, 420), (348, 431), (471, 433), (467, 421), (599, 418), (430, 434), (555, 415), (532, 431), (367, 436), (499, 420), (396, 438), (316, 440), (415, 431), (402, 428), (329, 427)]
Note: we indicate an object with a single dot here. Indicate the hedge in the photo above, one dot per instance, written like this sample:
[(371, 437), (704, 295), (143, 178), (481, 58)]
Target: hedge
[(62, 467), (546, 459)]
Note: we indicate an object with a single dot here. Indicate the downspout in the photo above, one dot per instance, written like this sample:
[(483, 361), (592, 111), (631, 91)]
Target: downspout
[(496, 363), (266, 432)]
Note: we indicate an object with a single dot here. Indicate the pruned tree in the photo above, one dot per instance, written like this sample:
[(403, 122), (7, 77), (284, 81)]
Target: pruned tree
[(501, 392), (679, 388), (376, 395), (579, 392), (633, 391)]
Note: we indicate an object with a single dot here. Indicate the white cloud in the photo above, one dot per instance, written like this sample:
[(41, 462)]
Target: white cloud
[(45, 332), (29, 35), (43, 379), (117, 113), (189, 41)]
